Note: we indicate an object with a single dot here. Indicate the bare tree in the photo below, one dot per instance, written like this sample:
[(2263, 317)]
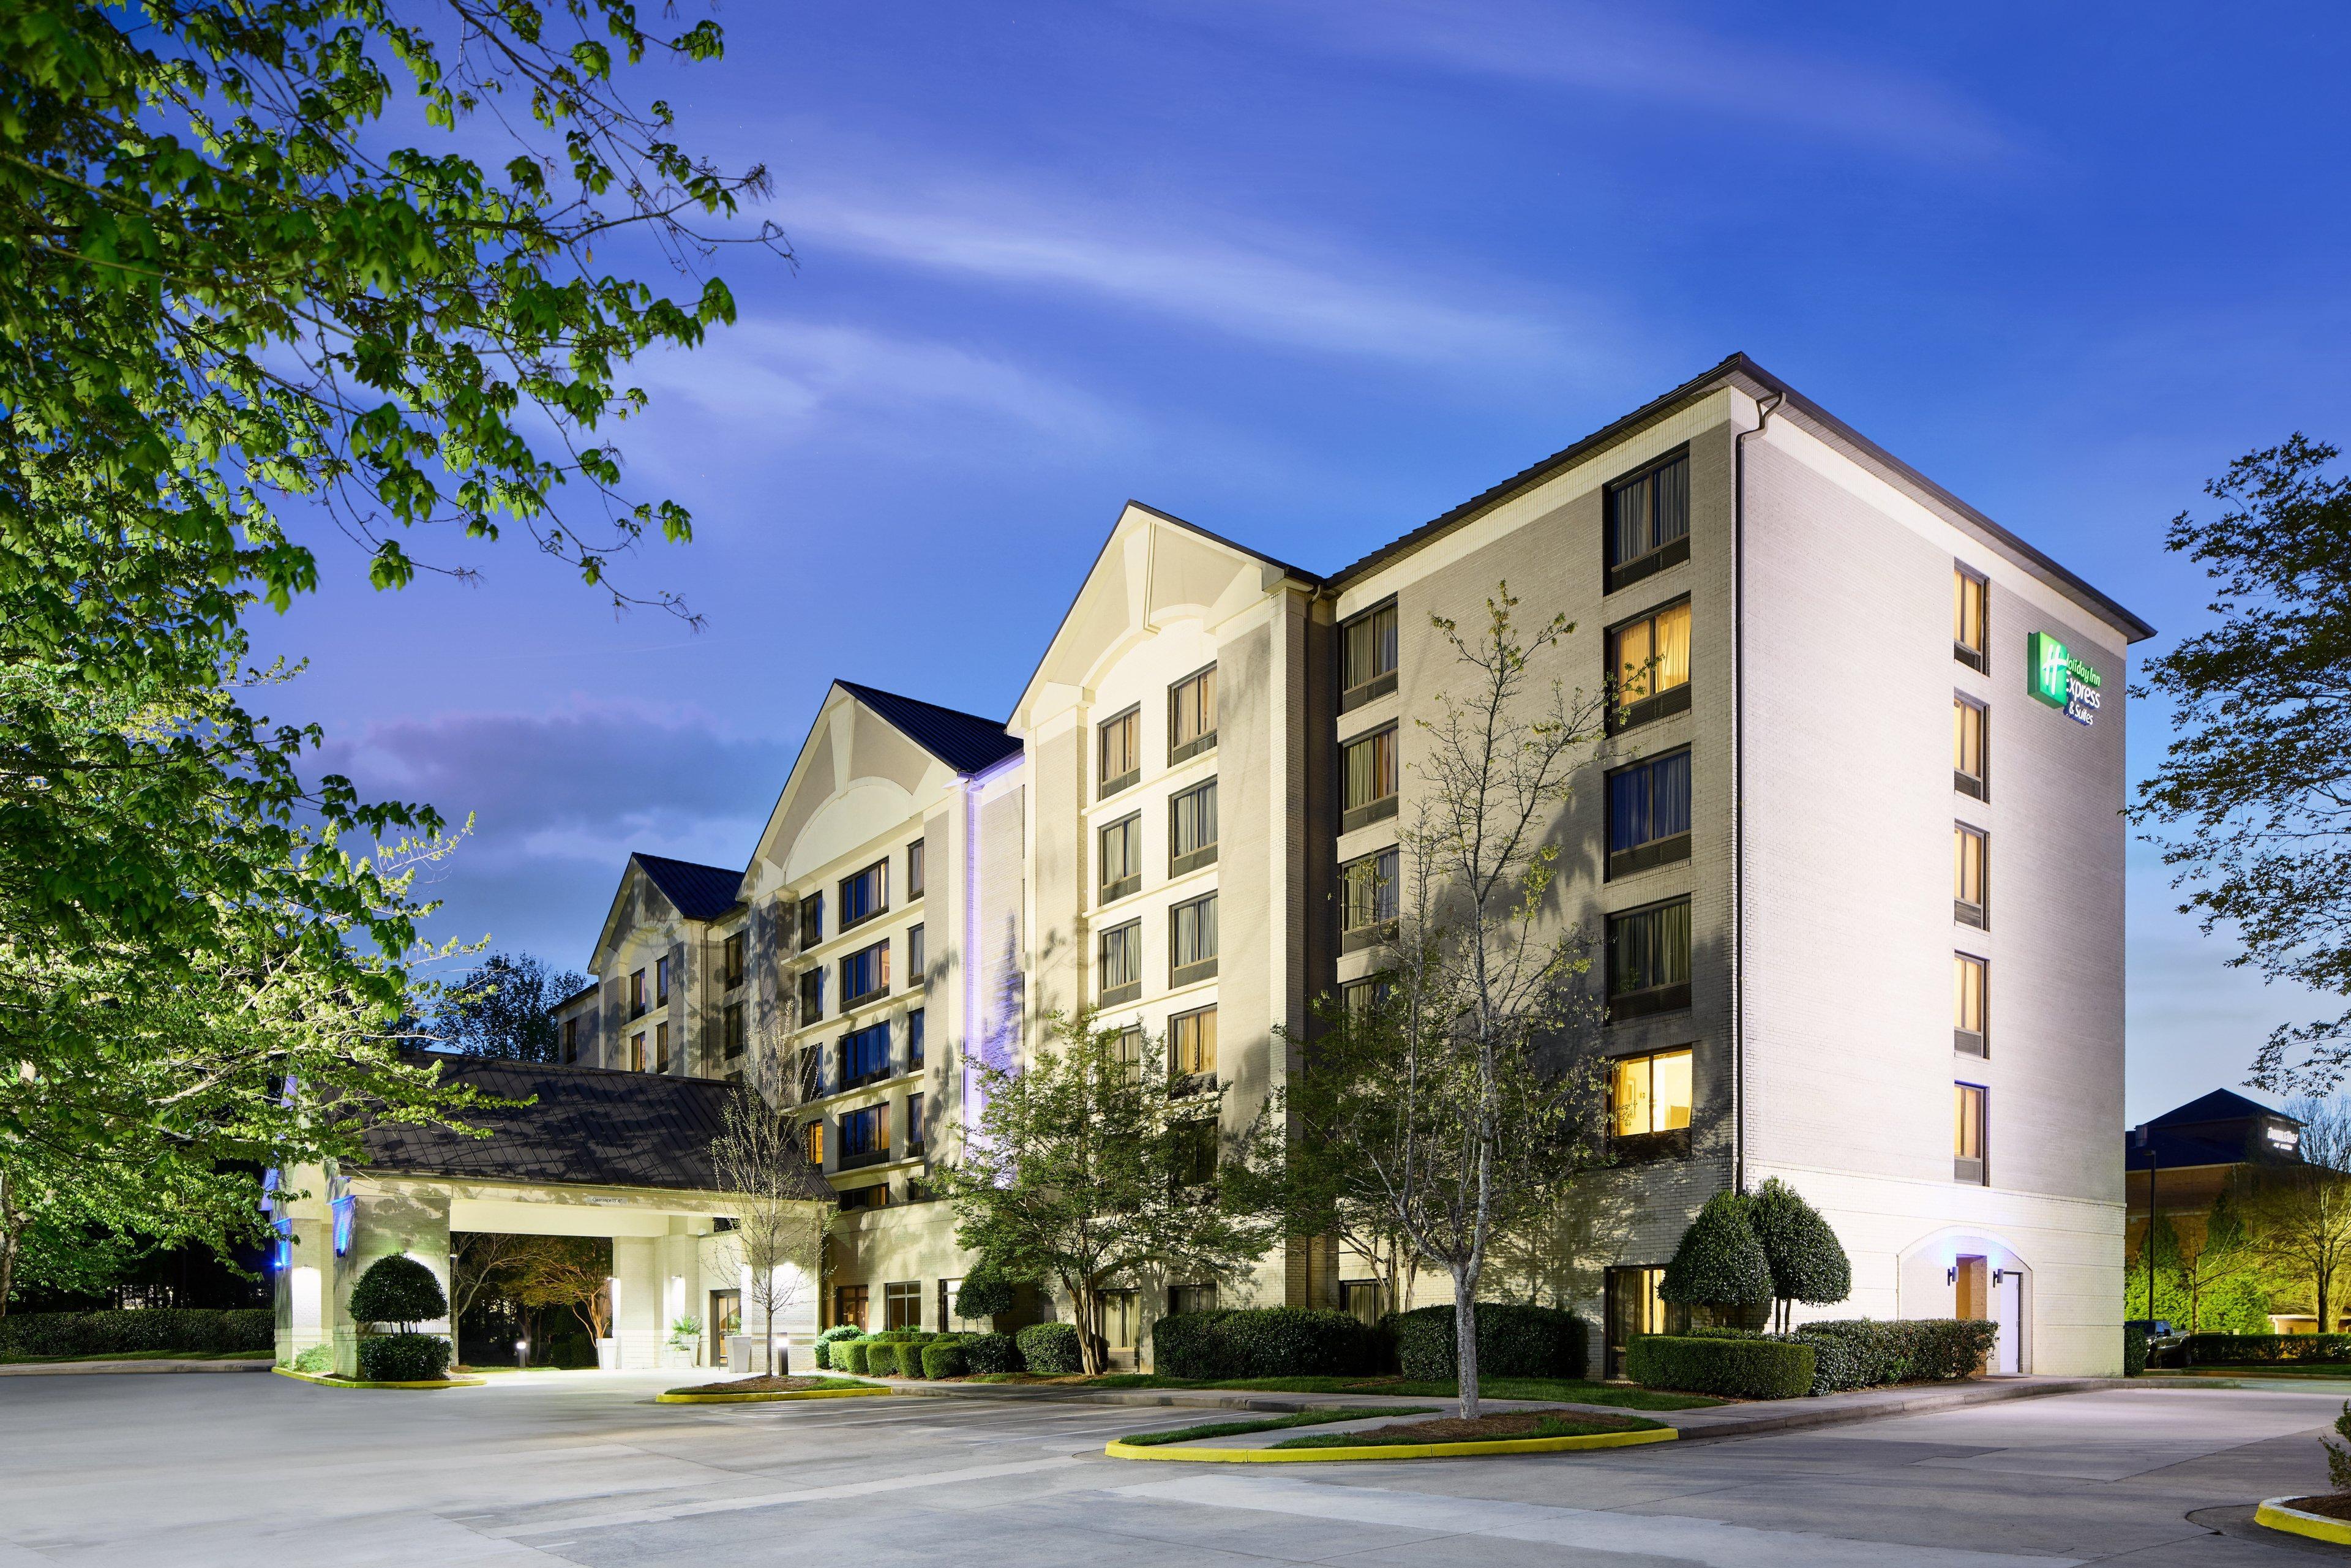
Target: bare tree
[(479, 1259), (782, 1212), (2300, 1213), (1443, 1102)]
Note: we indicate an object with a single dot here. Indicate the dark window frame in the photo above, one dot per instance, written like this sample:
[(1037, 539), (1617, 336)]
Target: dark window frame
[(1657, 851), (1659, 1143), (731, 1030), (811, 921), (1975, 1041), (914, 1040), (661, 981), (1669, 996), (1657, 705), (1200, 968), (734, 955), (1188, 1079), (869, 1124), (1380, 682), (879, 952), (911, 1134), (811, 995), (1975, 1172), (880, 874), (1180, 861), (918, 868), (1660, 552), (1977, 659), (860, 1062), (1106, 785), (637, 1007), (1206, 741), (1106, 890), (1978, 784), (570, 1040), (1379, 808), (1979, 914), (901, 1298), (1385, 899), (1125, 990)]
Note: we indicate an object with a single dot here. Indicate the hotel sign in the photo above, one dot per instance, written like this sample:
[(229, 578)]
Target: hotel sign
[(2054, 676)]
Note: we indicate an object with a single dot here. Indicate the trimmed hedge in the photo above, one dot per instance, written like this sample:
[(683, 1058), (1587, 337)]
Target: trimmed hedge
[(117, 1331), (849, 1355), (2221, 1349), (943, 1357), (404, 1358), (1738, 1368), (989, 1353), (1514, 1340), (2134, 1350), (1050, 1349), (1902, 1350), (830, 1337), (1260, 1342)]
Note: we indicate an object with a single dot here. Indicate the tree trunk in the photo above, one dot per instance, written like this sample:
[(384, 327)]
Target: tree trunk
[(1465, 1344), (767, 1310)]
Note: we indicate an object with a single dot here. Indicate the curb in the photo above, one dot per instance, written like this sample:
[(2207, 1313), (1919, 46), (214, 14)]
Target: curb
[(1921, 1403), (770, 1395), (1180, 1454), (2276, 1514), (345, 1383), (98, 1365)]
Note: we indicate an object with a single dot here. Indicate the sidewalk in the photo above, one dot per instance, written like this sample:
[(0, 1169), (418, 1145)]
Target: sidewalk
[(47, 1368)]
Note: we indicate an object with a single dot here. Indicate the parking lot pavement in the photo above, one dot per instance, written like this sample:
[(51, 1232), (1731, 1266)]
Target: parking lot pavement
[(581, 1467)]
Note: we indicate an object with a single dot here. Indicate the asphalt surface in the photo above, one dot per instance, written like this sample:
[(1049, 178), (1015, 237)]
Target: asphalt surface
[(164, 1470)]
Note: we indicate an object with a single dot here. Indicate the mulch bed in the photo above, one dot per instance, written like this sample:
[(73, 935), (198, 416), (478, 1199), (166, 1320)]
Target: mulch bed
[(758, 1385), (2333, 1505), (1487, 1428)]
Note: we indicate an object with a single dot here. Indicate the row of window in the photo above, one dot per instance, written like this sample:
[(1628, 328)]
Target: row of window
[(861, 1055), (1191, 843), (1191, 1045), (1970, 872), (863, 1137), (864, 895), (1191, 952), (1191, 730), (862, 976)]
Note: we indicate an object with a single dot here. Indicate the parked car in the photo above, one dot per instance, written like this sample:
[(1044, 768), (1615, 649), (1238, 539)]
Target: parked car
[(2164, 1344)]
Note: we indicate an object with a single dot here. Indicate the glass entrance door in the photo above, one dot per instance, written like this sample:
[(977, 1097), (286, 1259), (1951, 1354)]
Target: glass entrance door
[(726, 1318)]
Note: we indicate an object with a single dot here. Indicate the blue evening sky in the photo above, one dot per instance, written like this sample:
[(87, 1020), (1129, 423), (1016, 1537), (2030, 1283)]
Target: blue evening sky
[(1308, 273)]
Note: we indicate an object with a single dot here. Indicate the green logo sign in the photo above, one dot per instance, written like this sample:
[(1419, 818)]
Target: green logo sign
[(2054, 676)]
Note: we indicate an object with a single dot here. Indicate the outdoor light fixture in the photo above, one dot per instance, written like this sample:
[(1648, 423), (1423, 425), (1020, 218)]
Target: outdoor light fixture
[(1951, 1275), (344, 1209), (1996, 1274)]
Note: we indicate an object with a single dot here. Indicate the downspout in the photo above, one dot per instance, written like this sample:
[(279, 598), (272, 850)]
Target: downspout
[(1764, 409)]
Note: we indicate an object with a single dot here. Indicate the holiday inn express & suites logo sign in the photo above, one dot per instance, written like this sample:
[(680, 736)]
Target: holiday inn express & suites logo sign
[(2054, 676)]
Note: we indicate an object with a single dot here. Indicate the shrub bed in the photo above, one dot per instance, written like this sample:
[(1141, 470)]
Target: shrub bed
[(1901, 1350), (2229, 1349), (404, 1358), (1260, 1342), (849, 1355), (983, 1353), (1738, 1368), (119, 1332), (833, 1336), (1050, 1349), (1514, 1340), (318, 1360), (943, 1357)]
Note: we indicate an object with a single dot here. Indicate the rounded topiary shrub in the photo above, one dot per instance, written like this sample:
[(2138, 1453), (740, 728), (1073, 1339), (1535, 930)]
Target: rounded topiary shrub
[(985, 1293), (1719, 1262), (404, 1358), (849, 1355), (943, 1357), (398, 1290), (1514, 1340), (1801, 1250), (1050, 1349), (985, 1353)]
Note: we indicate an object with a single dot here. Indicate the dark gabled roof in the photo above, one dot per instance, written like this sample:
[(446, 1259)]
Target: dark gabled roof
[(964, 741), (590, 1126), (2220, 1105), (700, 891)]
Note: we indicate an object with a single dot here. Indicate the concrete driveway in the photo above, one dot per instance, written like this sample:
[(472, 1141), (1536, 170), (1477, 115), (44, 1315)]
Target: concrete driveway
[(578, 1467)]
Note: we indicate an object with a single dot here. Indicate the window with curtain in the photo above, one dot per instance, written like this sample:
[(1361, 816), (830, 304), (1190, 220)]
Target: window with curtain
[(637, 993), (1648, 666), (1649, 813), (811, 920), (1192, 941), (1361, 998), (1119, 851), (1191, 1299), (1367, 656), (864, 1055), (1118, 973), (1192, 829), (849, 1304), (812, 996), (913, 1123), (1192, 715), (731, 1030), (1649, 960), (1648, 520), (915, 1038), (865, 975), (864, 894), (812, 1142), (661, 982), (1969, 996), (1192, 1042), (1126, 1048), (864, 1133), (637, 1052), (1970, 723), (1367, 897), (1968, 1133), (1367, 770), (660, 1048), (731, 959), (914, 869), (1121, 752), (1649, 1093), (1968, 864), (1970, 619)]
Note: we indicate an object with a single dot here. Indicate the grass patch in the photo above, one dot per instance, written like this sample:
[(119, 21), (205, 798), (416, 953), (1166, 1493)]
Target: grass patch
[(1485, 1429), (1551, 1390), (142, 1355), (773, 1386), (1260, 1423), (2258, 1369)]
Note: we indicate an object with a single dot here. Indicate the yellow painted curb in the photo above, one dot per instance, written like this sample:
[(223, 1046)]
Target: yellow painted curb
[(345, 1383), (758, 1398), (1387, 1450), (2274, 1513)]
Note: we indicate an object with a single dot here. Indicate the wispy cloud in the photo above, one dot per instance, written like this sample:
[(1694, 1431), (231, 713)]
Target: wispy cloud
[(1636, 54)]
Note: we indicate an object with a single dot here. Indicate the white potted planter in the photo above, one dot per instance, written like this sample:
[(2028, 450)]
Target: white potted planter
[(607, 1355)]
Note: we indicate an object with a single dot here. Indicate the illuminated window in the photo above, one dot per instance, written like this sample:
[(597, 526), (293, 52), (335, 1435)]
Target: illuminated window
[(1649, 813), (1969, 723), (1119, 847), (874, 1196), (1650, 667), (1118, 974), (1121, 754), (1367, 769), (849, 1303), (864, 894), (1648, 521), (637, 1052), (1192, 1042), (1970, 619), (1636, 1306), (1649, 1093), (1968, 857), (1192, 716), (1192, 941), (1192, 829), (1649, 960), (1968, 1133), (1969, 977), (812, 1142), (1367, 656)]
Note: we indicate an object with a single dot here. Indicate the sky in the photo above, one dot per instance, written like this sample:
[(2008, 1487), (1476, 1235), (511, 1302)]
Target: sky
[(1308, 274)]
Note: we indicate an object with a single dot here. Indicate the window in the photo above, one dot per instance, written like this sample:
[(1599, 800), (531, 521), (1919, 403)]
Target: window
[(1367, 767), (1969, 996), (914, 1039), (571, 1040), (1968, 1133), (1970, 723), (1970, 619), (1192, 941), (1649, 1103), (1648, 664), (1648, 521), (1192, 1043), (914, 869), (1120, 847), (849, 1304), (874, 1196), (1364, 1301), (812, 1142), (1649, 813), (1192, 716), (811, 920), (730, 1031), (1367, 899), (637, 994), (811, 996), (1126, 1050), (864, 1136), (902, 1305), (1122, 752), (661, 982), (1117, 1316), (1194, 1154), (1192, 829), (730, 961), (1191, 1299), (1118, 966), (637, 1052), (1649, 960), (1361, 998), (865, 975), (1367, 656), (1968, 867), (864, 894), (913, 1123), (1635, 1307), (660, 1048), (812, 1072), (864, 1055), (916, 959)]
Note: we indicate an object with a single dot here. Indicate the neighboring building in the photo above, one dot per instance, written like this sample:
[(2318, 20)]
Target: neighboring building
[(2181, 1163), (1189, 821)]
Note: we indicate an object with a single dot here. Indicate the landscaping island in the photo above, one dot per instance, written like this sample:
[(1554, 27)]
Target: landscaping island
[(751, 1390), (1507, 1432)]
